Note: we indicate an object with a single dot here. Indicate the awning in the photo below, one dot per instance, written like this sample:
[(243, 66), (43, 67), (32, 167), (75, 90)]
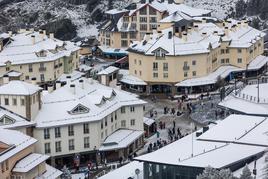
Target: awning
[(148, 121), (120, 139)]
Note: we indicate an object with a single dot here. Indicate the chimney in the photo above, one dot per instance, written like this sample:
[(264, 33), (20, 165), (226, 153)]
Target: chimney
[(246, 24), (42, 34), (184, 36), (10, 33), (215, 33), (204, 20), (90, 80), (189, 30), (147, 37), (233, 27), (72, 88), (58, 85), (34, 81), (239, 25), (51, 35), (159, 33), (33, 39), (81, 83), (154, 31), (196, 28), (5, 79), (226, 31), (50, 88), (204, 34)]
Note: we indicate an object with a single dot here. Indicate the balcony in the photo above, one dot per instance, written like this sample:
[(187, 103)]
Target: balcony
[(186, 68), (41, 69)]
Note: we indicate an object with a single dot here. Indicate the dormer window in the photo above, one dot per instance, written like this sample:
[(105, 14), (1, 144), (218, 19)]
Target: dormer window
[(160, 54), (102, 102), (6, 120), (112, 95), (41, 53), (79, 109)]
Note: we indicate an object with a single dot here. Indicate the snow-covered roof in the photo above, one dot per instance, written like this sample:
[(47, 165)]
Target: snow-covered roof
[(51, 173), (116, 11), (212, 78), (22, 50), (29, 162), (175, 17), (258, 63), (241, 129), (211, 148), (246, 101), (196, 43), (17, 141), (72, 76), (19, 88), (130, 79), (148, 121), (100, 101), (120, 139), (13, 73), (12, 120), (109, 50), (109, 70), (126, 171), (85, 68)]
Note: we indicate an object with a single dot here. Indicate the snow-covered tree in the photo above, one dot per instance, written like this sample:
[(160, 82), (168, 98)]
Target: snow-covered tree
[(212, 173), (246, 173), (66, 173)]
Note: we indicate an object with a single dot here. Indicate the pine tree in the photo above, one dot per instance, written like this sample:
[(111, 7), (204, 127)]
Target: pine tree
[(212, 173), (246, 173)]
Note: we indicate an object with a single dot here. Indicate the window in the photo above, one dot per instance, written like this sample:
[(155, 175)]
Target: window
[(58, 146), (135, 72), (79, 109), (57, 132), (140, 73), (124, 35), (239, 60), (135, 61), (194, 73), (132, 109), (165, 75), (193, 62), (222, 61), (185, 74), (86, 128), (139, 62), (153, 19), (22, 102), (152, 11), (133, 35), (160, 54), (143, 19), (86, 142), (14, 102), (101, 135), (155, 75), (112, 118), (143, 27), (71, 130), (143, 11), (124, 43), (7, 165), (7, 68), (227, 60), (3, 167), (227, 50), (123, 110), (165, 66), (6, 101), (101, 124), (239, 50), (123, 123), (71, 144), (46, 134), (222, 51), (155, 66), (30, 67), (42, 77), (132, 122), (47, 148), (27, 77), (105, 121), (115, 115)]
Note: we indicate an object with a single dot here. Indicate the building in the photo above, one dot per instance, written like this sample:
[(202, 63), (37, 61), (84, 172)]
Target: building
[(250, 100), (18, 160), (192, 56), (232, 143), (30, 54), (80, 121), (124, 26)]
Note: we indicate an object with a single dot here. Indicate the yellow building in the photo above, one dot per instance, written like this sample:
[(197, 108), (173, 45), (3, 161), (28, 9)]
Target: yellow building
[(18, 160), (191, 56), (131, 24), (30, 54)]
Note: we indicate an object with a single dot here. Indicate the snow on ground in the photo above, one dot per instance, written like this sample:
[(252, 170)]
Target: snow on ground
[(220, 8)]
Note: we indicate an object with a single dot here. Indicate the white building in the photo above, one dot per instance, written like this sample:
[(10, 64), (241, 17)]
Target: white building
[(78, 119)]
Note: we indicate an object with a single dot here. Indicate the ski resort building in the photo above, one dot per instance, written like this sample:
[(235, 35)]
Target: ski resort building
[(29, 55), (80, 121), (124, 26)]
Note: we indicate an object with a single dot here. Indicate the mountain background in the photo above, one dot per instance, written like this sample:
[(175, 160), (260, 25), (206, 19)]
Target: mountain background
[(69, 19)]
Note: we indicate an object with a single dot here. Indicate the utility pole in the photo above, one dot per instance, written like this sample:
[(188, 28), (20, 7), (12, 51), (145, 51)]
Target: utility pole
[(258, 90)]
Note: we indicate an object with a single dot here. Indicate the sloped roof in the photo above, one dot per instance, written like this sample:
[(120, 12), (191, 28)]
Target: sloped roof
[(19, 88)]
